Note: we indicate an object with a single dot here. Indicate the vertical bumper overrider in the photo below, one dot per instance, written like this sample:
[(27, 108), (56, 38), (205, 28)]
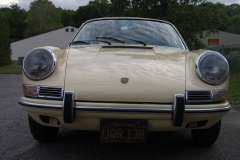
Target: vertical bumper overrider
[(68, 107), (178, 110)]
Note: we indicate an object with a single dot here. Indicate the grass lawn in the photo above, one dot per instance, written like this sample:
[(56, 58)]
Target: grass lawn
[(234, 89), (11, 69)]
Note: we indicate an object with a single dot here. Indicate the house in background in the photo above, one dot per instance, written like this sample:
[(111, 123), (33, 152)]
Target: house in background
[(59, 38), (220, 38)]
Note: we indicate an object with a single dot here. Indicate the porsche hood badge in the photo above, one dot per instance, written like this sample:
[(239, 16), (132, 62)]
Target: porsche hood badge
[(124, 80)]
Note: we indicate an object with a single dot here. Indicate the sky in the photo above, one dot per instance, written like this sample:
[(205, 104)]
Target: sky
[(74, 4)]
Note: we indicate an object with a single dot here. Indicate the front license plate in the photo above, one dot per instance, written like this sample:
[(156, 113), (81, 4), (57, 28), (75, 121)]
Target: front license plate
[(123, 130)]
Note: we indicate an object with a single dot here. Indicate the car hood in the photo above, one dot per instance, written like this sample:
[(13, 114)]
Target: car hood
[(155, 74)]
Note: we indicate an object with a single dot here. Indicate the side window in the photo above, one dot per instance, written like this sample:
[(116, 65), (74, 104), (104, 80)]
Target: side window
[(72, 30), (67, 30)]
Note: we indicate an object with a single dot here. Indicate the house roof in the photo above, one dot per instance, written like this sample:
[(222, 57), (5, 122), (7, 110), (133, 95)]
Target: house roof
[(45, 33)]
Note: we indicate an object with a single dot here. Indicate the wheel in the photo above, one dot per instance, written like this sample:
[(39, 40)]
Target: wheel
[(42, 133), (206, 137)]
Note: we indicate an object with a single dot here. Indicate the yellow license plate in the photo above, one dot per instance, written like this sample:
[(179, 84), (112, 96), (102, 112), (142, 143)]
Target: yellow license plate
[(123, 130)]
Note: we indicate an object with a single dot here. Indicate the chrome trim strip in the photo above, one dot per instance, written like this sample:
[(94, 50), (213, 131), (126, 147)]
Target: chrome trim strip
[(36, 105), (129, 110), (124, 102), (150, 110), (211, 110), (212, 92), (125, 110)]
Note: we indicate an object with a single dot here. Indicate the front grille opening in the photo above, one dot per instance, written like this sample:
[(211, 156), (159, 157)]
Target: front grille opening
[(45, 119), (50, 120), (50, 92), (196, 124), (199, 96)]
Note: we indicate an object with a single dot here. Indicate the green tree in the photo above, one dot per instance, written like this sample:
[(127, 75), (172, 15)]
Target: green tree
[(4, 41), (234, 26), (192, 20), (102, 5), (43, 17), (220, 10), (166, 6), (67, 17), (120, 7), (233, 9), (140, 8), (16, 18), (85, 13)]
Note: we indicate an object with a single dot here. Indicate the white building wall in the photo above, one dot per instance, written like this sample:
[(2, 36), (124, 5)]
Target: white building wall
[(59, 38), (224, 38)]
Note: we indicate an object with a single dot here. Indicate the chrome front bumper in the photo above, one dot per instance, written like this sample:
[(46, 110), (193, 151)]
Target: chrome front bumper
[(87, 115), (166, 111), (125, 110)]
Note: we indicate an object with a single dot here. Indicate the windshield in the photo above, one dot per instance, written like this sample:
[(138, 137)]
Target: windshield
[(141, 32)]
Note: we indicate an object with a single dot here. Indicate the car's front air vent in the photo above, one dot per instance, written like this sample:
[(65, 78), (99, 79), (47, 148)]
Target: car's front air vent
[(199, 96), (50, 92)]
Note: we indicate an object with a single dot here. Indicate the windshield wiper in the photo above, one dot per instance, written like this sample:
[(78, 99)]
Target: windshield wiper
[(111, 38), (135, 41), (117, 40), (77, 42)]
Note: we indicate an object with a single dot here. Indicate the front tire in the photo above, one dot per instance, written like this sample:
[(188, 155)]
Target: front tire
[(42, 133), (206, 137)]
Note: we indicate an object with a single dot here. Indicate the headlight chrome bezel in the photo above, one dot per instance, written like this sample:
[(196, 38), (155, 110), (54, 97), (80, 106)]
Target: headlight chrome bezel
[(202, 76), (54, 63)]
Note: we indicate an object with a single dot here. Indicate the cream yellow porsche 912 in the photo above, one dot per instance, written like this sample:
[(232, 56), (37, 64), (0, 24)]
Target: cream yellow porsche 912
[(125, 77)]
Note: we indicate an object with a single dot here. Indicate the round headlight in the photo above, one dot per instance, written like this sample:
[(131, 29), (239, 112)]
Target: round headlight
[(212, 67), (39, 63)]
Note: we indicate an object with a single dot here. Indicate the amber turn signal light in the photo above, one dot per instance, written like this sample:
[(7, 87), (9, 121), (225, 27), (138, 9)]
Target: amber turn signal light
[(30, 90), (220, 95)]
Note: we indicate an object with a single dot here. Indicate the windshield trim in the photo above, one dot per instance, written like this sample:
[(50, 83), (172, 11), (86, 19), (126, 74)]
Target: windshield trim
[(133, 18)]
